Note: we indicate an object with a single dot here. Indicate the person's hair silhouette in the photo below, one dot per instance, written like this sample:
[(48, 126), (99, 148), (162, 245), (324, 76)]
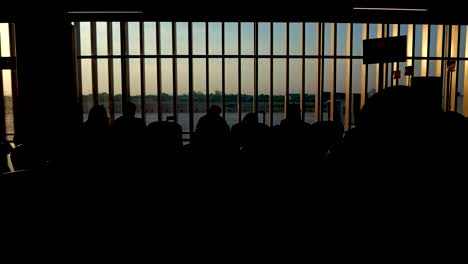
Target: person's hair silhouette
[(212, 131)]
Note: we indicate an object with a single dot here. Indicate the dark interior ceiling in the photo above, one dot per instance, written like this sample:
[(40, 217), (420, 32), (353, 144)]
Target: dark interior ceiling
[(439, 12)]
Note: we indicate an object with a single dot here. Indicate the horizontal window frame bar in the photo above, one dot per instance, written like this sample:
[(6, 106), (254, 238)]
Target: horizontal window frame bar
[(357, 57)]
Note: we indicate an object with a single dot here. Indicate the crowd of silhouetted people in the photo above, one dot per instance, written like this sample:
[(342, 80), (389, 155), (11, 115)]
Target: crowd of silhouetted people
[(393, 125), (401, 166)]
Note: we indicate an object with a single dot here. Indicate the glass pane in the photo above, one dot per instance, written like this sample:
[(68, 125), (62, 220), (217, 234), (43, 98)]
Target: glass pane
[(247, 83), (182, 38), (327, 39), (134, 38), (342, 39), (101, 38), (116, 38), (103, 83), (199, 88), (263, 38), (231, 91), (135, 84), (295, 38), (214, 38), (86, 87), (199, 39), (8, 100), (311, 38), (167, 88), (295, 81), (151, 99), (278, 90), (166, 38), (263, 89), (150, 38), (327, 87), (182, 94), (85, 38), (247, 38), (311, 85), (231, 38), (117, 88), (279, 35), (357, 39), (215, 82)]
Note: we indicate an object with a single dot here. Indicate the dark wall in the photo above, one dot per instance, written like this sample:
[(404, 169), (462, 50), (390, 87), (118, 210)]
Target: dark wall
[(46, 90)]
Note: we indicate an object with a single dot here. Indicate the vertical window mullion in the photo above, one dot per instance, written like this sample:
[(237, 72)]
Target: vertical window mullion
[(318, 99), (379, 67), (448, 90), (239, 73), (190, 77), (124, 65), (13, 72), (286, 93), (142, 71), (207, 65), (303, 44), (255, 97), (465, 80), (428, 51), (331, 110), (410, 45), (455, 54), (223, 69), (397, 81), (386, 34), (365, 69), (271, 108), (2, 100), (94, 66), (322, 71), (174, 71), (78, 75), (110, 62), (158, 69), (349, 75)]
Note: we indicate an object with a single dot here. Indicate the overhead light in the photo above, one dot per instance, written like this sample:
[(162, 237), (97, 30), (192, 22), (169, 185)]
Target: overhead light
[(392, 9), (105, 12)]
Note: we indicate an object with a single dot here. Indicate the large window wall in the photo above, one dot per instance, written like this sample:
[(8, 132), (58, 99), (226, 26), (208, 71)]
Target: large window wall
[(176, 70)]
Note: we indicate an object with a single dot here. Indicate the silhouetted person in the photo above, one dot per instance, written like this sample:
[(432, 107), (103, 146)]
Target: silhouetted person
[(250, 135), (163, 137), (95, 146), (128, 123), (98, 121), (212, 132), (395, 126), (325, 134), (129, 133), (293, 135), (454, 136)]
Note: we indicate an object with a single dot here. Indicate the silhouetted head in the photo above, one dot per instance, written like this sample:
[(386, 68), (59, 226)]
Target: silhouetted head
[(215, 110), (250, 119), (130, 110), (293, 112), (98, 117)]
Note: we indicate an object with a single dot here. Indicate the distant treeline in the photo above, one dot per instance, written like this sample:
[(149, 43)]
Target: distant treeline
[(199, 101)]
